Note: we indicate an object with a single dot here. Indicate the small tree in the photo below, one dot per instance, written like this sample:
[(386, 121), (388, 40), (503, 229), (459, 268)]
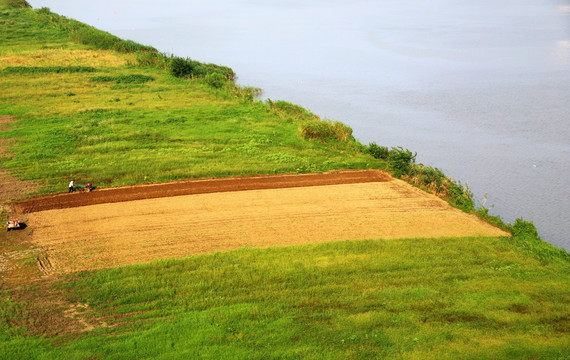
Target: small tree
[(180, 67), (378, 152), (401, 160)]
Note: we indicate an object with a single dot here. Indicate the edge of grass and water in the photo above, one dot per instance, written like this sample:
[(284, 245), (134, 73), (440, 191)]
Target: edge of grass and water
[(83, 97)]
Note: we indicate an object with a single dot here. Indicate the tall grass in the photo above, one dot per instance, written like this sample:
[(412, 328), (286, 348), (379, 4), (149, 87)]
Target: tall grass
[(326, 130)]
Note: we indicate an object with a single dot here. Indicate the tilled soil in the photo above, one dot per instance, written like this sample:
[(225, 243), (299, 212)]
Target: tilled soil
[(201, 186), (117, 227)]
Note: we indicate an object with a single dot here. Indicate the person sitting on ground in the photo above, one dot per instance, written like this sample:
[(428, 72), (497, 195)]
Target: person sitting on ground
[(71, 189)]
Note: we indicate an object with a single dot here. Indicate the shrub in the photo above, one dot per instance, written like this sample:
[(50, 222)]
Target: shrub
[(152, 59), (227, 72), (525, 235), (461, 197), (378, 152), (483, 213), (215, 80), (432, 178), (44, 11), (186, 68), (180, 67), (401, 160), (246, 93)]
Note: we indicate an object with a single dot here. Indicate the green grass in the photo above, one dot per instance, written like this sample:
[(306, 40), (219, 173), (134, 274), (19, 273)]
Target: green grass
[(467, 298), (132, 124)]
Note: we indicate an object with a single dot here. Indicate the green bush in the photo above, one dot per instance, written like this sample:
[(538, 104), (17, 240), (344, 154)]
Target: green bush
[(461, 197), (215, 80), (525, 236), (401, 160), (188, 68), (180, 67), (495, 220), (44, 10), (432, 178), (378, 152), (227, 72), (152, 59)]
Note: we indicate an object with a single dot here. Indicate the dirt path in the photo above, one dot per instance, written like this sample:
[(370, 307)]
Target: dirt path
[(339, 206)]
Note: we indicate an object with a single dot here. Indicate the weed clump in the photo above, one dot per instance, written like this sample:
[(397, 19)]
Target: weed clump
[(402, 163), (21, 70), (526, 236), (180, 67), (326, 130), (188, 68), (124, 79), (378, 152), (400, 159), (290, 112), (215, 80)]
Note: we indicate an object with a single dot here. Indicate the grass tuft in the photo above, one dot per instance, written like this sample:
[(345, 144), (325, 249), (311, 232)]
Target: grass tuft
[(326, 130)]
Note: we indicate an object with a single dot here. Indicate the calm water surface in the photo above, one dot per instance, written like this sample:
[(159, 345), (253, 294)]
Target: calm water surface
[(480, 89)]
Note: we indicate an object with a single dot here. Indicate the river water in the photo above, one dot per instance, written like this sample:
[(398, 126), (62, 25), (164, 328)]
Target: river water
[(479, 89)]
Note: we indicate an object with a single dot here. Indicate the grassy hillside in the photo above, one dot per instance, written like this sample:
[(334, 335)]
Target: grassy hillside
[(468, 298), (112, 117), (89, 106)]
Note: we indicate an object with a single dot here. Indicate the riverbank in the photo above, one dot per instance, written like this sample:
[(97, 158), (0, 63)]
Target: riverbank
[(117, 117)]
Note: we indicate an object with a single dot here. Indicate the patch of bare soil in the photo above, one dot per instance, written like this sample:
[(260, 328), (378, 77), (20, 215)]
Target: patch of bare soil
[(210, 215), (48, 313)]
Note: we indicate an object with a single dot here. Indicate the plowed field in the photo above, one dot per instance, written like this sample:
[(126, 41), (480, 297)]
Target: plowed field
[(116, 227)]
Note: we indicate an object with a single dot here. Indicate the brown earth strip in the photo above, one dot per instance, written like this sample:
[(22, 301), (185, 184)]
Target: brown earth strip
[(201, 186)]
